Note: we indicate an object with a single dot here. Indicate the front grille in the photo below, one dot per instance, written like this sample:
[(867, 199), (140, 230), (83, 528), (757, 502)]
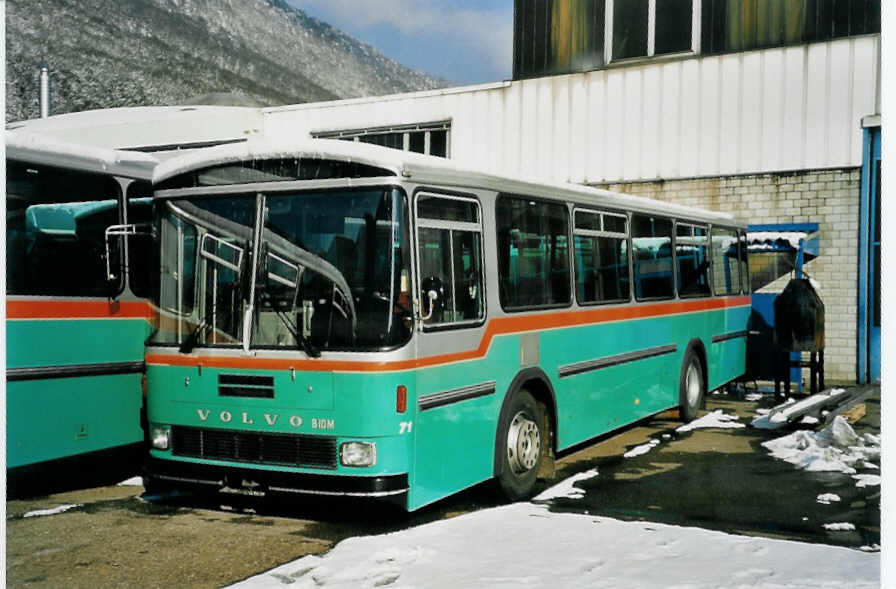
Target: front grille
[(246, 385), (257, 447)]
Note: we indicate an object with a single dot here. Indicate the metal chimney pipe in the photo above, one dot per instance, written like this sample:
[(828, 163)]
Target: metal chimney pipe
[(44, 91)]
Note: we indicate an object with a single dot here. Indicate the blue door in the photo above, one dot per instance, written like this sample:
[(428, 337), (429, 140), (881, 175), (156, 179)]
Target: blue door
[(869, 260)]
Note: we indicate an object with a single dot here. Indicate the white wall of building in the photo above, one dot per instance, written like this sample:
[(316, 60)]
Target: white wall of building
[(754, 112)]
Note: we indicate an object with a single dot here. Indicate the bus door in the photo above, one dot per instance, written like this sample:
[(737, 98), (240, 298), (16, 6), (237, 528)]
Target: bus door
[(455, 399)]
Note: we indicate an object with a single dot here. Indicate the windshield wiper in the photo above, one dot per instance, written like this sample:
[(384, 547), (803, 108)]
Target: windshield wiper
[(192, 339), (310, 349)]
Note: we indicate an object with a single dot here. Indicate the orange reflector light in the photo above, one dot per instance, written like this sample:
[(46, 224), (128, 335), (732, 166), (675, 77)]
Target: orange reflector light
[(143, 384), (401, 398)]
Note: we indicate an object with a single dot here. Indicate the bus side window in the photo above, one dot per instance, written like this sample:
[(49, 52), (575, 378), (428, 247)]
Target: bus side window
[(725, 262), (652, 245), (601, 256), (55, 230), (692, 260), (533, 253), (449, 246)]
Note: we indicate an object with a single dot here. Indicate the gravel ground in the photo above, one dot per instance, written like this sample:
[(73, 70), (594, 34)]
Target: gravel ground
[(714, 478)]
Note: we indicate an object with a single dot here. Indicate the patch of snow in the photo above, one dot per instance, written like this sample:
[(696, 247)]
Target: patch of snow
[(840, 527), (754, 396), (870, 548), (870, 465), (132, 482), (809, 420), (642, 449), (717, 419), (525, 545), (836, 448), (53, 511), (565, 487), (867, 480), (759, 238), (667, 436), (827, 498), (791, 409)]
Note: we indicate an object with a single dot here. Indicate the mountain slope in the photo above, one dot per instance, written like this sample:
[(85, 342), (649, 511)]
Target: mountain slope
[(106, 53)]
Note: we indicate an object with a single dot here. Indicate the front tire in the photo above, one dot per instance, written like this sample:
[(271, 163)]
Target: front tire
[(520, 446), (691, 387)]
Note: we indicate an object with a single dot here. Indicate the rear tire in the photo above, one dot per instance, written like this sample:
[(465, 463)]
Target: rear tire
[(520, 445), (691, 387)]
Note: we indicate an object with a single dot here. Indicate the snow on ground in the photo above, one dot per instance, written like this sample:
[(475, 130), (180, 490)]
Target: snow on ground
[(835, 448), (525, 545), (131, 482), (867, 480), (827, 498), (642, 449), (566, 488), (715, 419), (840, 527), (53, 511), (754, 397)]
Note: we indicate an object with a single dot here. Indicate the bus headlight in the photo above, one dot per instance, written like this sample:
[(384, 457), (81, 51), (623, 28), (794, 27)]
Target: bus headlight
[(160, 437), (358, 454)]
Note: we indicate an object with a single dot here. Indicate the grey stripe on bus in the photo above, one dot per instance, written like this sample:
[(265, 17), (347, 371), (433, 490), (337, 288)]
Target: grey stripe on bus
[(440, 399), (615, 360), (728, 336), (73, 370)]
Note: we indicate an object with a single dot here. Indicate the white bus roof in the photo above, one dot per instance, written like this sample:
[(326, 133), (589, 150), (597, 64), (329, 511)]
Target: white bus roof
[(426, 170), (149, 128), (35, 148)]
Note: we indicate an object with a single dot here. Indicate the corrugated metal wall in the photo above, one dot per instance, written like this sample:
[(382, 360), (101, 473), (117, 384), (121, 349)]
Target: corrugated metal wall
[(759, 111)]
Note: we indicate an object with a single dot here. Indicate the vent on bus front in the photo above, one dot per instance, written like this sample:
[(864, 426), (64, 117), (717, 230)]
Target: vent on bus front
[(246, 385)]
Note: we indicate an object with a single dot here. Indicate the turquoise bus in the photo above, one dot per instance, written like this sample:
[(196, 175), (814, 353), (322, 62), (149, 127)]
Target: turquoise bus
[(345, 319), (74, 349)]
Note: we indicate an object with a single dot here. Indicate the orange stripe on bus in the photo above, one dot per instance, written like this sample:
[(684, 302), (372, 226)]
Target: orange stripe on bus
[(495, 327), (59, 309)]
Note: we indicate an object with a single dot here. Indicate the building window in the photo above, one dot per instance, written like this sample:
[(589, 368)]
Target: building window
[(645, 28), (601, 257), (533, 253), (425, 138), (557, 36), (566, 36), (741, 25)]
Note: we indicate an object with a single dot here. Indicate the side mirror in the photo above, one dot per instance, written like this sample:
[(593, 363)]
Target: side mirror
[(120, 231)]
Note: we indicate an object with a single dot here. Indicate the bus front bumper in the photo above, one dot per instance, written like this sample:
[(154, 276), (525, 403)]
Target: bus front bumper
[(246, 481)]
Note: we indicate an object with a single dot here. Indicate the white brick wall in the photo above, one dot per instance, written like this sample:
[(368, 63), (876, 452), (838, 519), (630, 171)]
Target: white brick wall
[(827, 197)]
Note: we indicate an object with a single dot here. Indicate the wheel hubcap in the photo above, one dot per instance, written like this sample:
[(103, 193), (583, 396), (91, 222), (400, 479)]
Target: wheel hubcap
[(693, 384), (523, 443)]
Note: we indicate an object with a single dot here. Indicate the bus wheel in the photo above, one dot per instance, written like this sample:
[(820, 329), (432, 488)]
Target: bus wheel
[(691, 388), (520, 446)]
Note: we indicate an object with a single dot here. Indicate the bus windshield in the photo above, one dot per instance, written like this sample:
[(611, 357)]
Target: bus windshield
[(331, 270)]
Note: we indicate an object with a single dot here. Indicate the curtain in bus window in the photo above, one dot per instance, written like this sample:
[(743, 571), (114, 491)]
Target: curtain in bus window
[(652, 255), (533, 259), (55, 230), (692, 260), (744, 266), (725, 262)]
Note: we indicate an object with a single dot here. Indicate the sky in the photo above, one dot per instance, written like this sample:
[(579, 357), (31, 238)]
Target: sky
[(461, 41)]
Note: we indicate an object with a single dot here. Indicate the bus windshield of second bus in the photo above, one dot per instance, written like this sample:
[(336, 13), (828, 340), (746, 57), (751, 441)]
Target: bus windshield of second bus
[(331, 270)]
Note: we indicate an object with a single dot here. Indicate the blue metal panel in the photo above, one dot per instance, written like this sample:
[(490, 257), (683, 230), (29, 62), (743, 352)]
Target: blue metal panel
[(868, 345)]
